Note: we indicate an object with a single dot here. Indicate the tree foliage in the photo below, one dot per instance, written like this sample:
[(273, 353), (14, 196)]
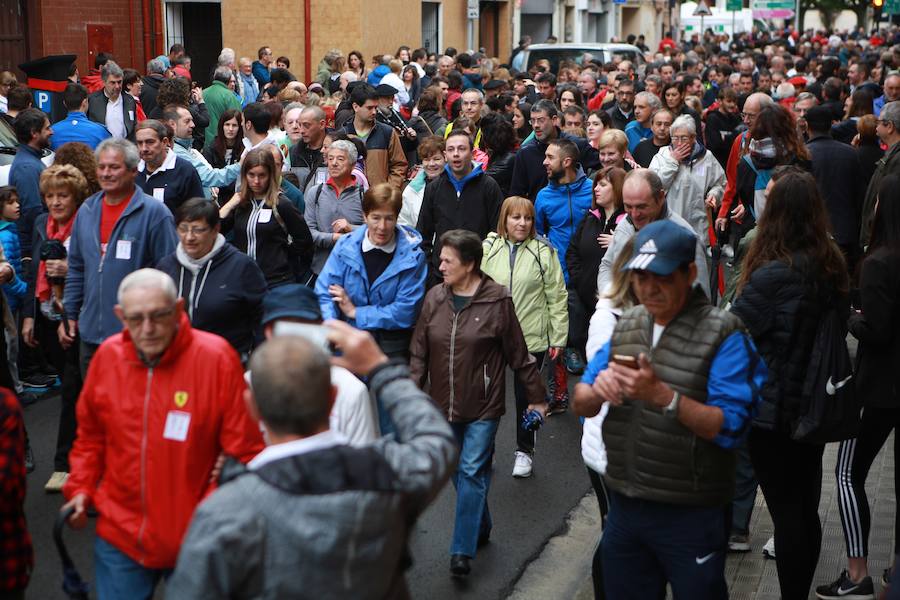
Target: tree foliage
[(830, 9)]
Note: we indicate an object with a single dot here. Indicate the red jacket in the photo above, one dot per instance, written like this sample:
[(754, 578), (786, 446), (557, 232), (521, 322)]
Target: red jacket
[(16, 553), (146, 486), (93, 81)]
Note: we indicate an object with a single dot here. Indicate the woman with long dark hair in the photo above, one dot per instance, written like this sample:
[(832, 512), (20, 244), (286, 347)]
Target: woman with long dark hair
[(792, 274), (266, 224), (226, 147), (859, 104), (587, 248), (774, 141), (673, 97), (522, 120), (357, 64), (876, 324), (499, 142)]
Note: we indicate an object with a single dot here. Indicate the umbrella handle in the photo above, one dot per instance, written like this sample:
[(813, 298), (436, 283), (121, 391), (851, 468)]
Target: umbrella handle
[(61, 518)]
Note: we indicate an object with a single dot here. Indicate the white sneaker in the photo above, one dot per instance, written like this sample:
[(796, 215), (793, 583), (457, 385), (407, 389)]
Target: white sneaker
[(769, 549), (522, 467), (56, 482)]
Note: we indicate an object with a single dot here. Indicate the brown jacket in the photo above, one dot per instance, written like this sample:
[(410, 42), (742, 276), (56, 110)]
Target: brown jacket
[(465, 354), (385, 160)]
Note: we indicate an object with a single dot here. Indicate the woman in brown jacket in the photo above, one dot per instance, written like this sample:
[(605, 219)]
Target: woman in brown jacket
[(465, 337)]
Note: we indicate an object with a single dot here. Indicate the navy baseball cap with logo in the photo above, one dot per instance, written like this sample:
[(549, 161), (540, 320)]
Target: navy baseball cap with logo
[(661, 247)]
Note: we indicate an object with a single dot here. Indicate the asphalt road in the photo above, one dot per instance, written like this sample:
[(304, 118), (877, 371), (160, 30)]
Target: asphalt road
[(526, 513)]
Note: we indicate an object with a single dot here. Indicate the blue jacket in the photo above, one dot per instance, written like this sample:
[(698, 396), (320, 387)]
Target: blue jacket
[(251, 88), (142, 236), (635, 132), (76, 127), (394, 300), (261, 73), (25, 175), (376, 74), (559, 210), (15, 289)]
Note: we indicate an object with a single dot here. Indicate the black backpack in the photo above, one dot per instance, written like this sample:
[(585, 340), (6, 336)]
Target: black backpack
[(833, 409)]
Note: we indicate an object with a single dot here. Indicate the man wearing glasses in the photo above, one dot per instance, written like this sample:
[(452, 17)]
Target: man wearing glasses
[(120, 229), (754, 103), (152, 425), (888, 130)]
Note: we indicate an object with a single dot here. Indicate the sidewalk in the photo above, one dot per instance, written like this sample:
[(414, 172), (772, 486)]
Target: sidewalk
[(566, 559)]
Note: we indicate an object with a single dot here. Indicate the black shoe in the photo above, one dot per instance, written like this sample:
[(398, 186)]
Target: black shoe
[(484, 538), (886, 577), (29, 457), (844, 589), (459, 565)]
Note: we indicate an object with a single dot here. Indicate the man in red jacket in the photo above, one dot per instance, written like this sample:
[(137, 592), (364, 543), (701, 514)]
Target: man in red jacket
[(161, 402)]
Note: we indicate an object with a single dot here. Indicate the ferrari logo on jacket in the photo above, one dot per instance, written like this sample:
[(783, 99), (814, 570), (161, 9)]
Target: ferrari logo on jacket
[(181, 399)]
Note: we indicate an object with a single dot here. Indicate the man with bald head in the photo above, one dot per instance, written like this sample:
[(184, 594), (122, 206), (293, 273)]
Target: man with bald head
[(644, 200), (339, 497), (754, 103), (307, 161), (891, 92)]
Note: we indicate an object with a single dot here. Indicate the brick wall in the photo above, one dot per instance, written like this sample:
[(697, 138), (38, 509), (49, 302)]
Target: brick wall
[(378, 27), (61, 29)]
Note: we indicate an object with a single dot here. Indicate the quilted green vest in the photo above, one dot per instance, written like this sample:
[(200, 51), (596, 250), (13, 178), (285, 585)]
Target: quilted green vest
[(652, 456)]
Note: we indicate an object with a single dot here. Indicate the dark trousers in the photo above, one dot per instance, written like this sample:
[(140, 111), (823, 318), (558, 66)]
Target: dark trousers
[(854, 460), (597, 563), (744, 492), (790, 475), (579, 320), (646, 544), (86, 352), (66, 364), (524, 439)]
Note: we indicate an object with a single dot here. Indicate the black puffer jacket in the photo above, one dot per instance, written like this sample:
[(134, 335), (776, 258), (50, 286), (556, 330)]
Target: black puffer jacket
[(877, 328), (501, 169), (781, 306), (584, 253)]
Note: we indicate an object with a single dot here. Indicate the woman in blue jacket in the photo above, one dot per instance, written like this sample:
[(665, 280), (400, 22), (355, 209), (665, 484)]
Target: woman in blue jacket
[(374, 277)]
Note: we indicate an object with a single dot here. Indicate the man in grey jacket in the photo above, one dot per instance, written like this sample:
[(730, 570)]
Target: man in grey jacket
[(644, 199), (313, 517)]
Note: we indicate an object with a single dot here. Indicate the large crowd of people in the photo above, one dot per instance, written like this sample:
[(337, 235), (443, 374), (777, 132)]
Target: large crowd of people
[(280, 314)]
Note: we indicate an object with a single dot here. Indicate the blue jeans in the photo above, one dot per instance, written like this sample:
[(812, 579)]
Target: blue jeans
[(646, 544), (472, 480), (118, 576)]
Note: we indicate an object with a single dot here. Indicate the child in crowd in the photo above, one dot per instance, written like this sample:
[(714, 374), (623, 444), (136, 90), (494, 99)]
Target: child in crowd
[(15, 289)]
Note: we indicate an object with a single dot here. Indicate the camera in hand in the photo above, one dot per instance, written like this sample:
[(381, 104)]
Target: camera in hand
[(532, 420), (54, 250)]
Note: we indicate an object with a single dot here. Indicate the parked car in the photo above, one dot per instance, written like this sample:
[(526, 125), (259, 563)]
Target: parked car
[(8, 153), (575, 52)]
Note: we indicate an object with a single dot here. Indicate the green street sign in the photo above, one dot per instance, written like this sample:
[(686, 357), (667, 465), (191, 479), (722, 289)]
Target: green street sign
[(736, 4), (891, 7)]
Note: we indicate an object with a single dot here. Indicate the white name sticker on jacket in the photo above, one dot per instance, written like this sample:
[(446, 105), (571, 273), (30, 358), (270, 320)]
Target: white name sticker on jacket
[(321, 176), (123, 249), (177, 425), (159, 194), (131, 115), (265, 215)]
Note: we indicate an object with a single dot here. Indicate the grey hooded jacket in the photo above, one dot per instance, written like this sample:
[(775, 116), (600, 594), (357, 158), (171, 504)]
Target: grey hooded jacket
[(330, 523)]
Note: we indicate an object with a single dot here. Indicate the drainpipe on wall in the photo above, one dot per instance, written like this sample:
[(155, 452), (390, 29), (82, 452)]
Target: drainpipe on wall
[(307, 39), (134, 61), (158, 29), (145, 21)]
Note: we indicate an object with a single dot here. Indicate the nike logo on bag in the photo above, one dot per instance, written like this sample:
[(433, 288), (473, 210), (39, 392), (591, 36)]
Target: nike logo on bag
[(831, 388), (702, 560)]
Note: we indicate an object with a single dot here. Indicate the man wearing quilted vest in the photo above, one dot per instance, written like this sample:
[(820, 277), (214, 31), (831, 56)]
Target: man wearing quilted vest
[(682, 380)]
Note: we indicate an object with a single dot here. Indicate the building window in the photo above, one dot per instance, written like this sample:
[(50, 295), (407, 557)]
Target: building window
[(431, 22)]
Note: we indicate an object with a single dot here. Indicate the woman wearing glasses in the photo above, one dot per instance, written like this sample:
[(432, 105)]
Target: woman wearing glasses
[(693, 177), (222, 287)]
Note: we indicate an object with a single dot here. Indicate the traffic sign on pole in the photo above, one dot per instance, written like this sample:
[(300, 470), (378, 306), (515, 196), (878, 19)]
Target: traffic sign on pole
[(734, 5)]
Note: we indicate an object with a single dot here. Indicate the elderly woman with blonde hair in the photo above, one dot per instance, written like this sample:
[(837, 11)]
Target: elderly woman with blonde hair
[(63, 188)]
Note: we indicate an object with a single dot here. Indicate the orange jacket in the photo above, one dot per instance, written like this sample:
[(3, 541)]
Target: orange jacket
[(146, 486)]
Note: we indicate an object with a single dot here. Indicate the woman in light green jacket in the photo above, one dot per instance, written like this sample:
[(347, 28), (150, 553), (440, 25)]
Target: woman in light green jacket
[(529, 268)]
